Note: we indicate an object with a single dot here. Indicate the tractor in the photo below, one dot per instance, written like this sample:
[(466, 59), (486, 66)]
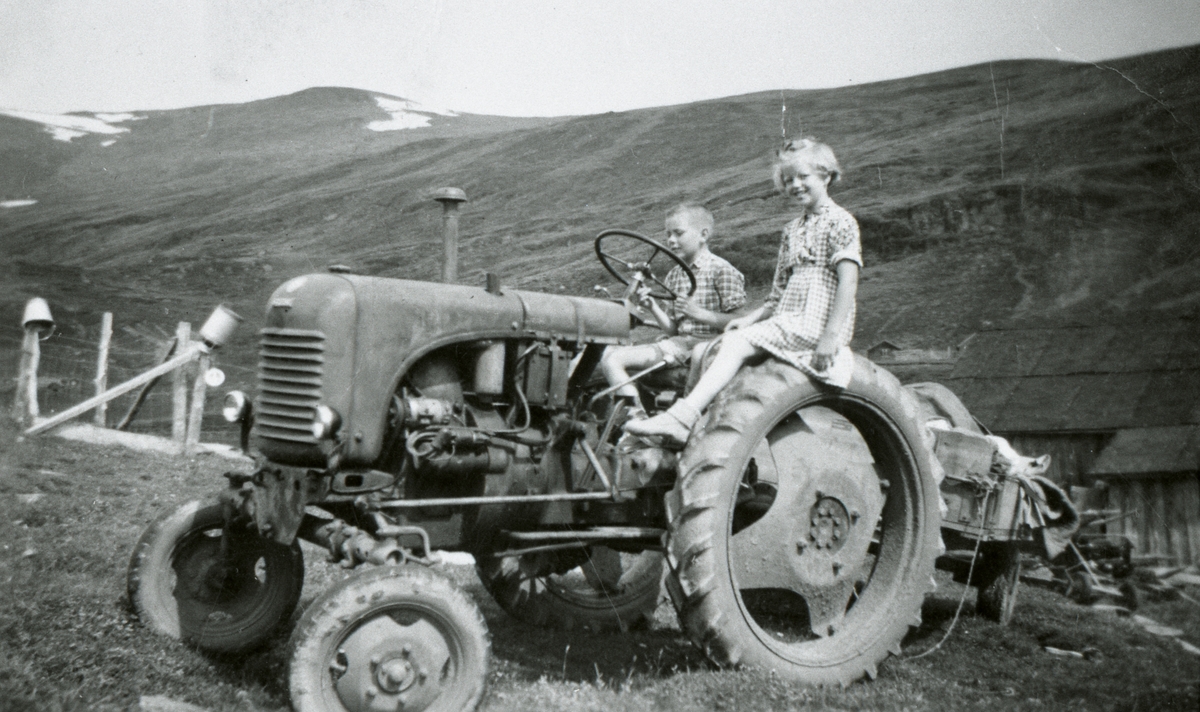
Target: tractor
[(797, 530)]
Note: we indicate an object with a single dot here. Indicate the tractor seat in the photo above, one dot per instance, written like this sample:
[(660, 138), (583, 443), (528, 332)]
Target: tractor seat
[(674, 378)]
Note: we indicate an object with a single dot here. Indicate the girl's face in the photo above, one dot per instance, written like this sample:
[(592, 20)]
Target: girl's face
[(805, 183)]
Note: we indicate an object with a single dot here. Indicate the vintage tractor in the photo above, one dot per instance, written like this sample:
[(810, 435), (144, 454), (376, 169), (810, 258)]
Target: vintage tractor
[(797, 531)]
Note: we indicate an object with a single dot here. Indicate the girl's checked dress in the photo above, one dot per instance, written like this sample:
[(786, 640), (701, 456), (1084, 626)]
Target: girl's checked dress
[(803, 290)]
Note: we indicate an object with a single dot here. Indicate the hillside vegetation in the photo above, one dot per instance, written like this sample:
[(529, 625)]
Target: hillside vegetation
[(1030, 190)]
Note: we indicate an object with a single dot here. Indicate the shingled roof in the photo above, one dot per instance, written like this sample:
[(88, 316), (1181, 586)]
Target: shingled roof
[(1141, 451), (1086, 378)]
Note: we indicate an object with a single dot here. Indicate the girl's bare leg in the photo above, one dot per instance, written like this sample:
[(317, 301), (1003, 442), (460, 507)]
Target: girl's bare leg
[(734, 352), (676, 423)]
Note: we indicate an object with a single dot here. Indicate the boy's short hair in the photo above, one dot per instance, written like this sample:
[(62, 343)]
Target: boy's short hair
[(696, 214), (806, 150)]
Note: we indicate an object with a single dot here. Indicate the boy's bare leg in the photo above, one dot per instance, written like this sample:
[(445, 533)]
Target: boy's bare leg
[(617, 362)]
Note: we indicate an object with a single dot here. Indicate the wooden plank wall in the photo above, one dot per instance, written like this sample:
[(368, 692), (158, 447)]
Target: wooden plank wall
[(1071, 455), (1159, 514)]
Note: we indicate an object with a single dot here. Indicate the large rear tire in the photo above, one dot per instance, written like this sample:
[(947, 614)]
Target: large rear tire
[(181, 585), (607, 590), (804, 526)]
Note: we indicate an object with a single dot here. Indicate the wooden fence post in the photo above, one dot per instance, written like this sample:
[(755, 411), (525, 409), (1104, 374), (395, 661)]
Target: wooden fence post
[(197, 414), (25, 405), (106, 323), (183, 334)]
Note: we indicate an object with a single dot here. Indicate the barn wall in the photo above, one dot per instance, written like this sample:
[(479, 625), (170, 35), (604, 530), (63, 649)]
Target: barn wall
[(1159, 514), (1071, 455)]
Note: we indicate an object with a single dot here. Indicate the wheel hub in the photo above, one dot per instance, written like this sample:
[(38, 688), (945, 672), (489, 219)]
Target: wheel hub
[(388, 665), (833, 544), (815, 537), (397, 674), (830, 523)]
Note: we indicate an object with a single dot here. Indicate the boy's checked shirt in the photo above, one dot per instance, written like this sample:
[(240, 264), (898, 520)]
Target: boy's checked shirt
[(720, 287)]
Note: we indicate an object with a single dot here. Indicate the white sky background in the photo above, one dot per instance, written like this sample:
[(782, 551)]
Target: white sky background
[(535, 57)]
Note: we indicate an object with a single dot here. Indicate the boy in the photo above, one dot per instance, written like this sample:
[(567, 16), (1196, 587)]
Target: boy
[(693, 321)]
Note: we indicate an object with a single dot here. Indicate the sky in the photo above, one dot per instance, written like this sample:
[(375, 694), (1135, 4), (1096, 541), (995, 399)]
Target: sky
[(535, 57)]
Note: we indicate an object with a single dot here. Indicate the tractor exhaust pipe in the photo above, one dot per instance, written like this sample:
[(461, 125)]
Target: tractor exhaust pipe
[(450, 198)]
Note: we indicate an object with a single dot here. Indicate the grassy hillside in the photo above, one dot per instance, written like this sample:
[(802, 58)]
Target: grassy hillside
[(1023, 189)]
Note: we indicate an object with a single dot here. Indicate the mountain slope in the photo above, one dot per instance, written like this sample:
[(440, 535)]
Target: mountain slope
[(1015, 190)]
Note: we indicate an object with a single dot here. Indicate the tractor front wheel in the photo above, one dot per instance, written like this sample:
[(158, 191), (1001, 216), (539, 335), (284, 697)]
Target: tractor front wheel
[(390, 638), (222, 591)]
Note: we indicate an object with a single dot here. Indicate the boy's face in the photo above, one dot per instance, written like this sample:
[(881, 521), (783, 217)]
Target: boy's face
[(806, 183), (684, 238)]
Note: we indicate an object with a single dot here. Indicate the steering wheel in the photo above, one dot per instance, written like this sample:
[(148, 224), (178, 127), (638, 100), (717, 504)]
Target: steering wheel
[(627, 256)]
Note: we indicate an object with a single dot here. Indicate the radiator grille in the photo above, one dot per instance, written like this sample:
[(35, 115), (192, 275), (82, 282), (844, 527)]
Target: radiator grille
[(289, 383)]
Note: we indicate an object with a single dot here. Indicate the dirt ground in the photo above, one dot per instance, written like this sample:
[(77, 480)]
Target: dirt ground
[(70, 514)]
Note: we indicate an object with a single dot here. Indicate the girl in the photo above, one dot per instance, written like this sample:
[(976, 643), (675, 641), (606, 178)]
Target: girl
[(808, 318)]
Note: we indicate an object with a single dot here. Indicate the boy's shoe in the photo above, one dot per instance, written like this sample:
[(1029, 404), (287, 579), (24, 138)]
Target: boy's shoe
[(673, 425)]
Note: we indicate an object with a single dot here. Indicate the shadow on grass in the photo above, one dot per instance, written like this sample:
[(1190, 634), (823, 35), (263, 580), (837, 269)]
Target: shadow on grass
[(526, 652), (530, 653)]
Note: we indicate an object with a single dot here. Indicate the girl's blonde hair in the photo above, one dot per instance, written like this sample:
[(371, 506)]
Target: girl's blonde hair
[(806, 150)]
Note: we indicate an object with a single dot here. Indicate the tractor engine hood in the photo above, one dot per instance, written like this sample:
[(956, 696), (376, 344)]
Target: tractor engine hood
[(346, 341)]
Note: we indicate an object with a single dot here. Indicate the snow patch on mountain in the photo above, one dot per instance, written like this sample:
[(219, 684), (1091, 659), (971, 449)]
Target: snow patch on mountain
[(405, 114), (64, 127), (16, 203), (118, 117)]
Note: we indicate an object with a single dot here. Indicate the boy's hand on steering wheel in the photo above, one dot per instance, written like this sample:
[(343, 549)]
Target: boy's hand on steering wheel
[(694, 311), (643, 297)]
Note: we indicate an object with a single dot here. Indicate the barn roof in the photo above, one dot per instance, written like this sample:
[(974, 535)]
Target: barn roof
[(1150, 450), (1082, 378)]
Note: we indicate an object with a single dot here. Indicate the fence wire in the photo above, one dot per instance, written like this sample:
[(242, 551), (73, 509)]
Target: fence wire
[(67, 372)]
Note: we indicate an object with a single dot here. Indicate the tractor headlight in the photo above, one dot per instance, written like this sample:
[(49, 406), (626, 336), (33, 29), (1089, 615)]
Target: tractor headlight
[(236, 407), (326, 422)]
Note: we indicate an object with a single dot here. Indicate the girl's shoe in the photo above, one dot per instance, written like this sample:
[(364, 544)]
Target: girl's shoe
[(674, 425)]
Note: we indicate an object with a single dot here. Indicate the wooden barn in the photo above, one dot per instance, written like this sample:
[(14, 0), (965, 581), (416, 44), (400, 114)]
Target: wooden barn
[(1116, 405), (912, 364)]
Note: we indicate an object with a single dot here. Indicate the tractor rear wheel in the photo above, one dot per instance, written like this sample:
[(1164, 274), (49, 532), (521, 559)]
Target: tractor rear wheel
[(805, 524)]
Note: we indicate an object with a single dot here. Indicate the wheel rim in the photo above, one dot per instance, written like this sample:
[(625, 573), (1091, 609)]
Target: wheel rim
[(608, 589), (213, 592), (404, 657), (816, 562), (607, 580)]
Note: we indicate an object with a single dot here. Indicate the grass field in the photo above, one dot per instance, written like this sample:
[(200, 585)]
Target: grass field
[(68, 640)]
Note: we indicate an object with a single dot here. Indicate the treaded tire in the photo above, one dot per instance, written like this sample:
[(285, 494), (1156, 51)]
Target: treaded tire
[(405, 616), (176, 588), (570, 601), (701, 509), (998, 581)]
